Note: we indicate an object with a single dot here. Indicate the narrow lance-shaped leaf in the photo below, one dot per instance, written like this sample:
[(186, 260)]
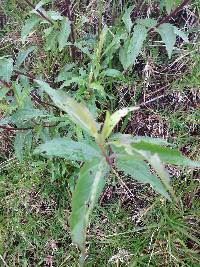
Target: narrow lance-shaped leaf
[(127, 18), (136, 42), (166, 154), (66, 148), (77, 111), (89, 186), (133, 47), (64, 33), (156, 163), (6, 68), (29, 25), (112, 121), (140, 171)]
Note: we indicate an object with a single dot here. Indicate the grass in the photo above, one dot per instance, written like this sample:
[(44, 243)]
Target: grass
[(124, 230), (132, 226)]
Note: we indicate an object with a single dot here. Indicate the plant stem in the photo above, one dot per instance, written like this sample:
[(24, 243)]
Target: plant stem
[(39, 12), (173, 13), (7, 128), (67, 13), (10, 129)]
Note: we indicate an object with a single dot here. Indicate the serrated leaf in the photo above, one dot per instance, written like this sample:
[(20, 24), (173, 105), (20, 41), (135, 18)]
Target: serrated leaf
[(127, 18), (181, 34), (166, 154), (98, 87), (88, 188), (166, 31), (6, 68), (140, 171), (123, 55), (77, 111), (65, 73), (27, 114), (112, 121), (147, 22), (66, 148), (23, 55), (133, 47), (51, 39), (64, 33), (28, 27), (136, 42), (112, 73), (21, 139)]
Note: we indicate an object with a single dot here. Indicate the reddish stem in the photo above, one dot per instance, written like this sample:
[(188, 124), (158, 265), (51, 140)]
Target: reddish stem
[(173, 13), (39, 12)]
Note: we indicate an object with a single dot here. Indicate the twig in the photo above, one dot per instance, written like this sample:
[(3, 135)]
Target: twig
[(30, 76), (151, 100), (39, 12), (8, 85), (67, 13), (173, 13), (7, 128)]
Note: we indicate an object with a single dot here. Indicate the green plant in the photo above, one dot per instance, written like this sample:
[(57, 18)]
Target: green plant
[(101, 156), (108, 58)]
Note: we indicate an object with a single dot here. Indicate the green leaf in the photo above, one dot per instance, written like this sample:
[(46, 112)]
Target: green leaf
[(6, 68), (27, 114), (127, 18), (162, 173), (112, 73), (3, 91), (41, 3), (140, 171), (112, 121), (136, 42), (129, 139), (181, 34), (51, 39), (23, 55), (123, 55), (65, 72), (166, 31), (64, 33), (166, 154), (133, 47), (29, 25), (98, 87), (169, 4), (77, 111), (54, 15), (88, 188), (22, 138), (148, 22), (65, 148)]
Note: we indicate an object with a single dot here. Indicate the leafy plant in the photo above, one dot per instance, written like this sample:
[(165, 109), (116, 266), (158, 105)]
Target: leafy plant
[(105, 154), (93, 147)]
